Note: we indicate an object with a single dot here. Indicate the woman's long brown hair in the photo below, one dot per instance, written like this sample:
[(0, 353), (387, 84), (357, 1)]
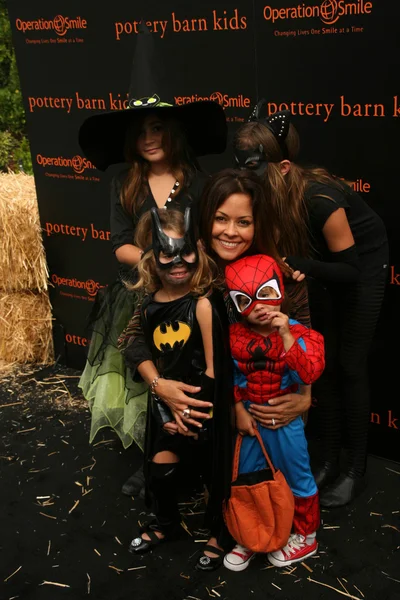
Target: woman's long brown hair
[(218, 189), (285, 193), (183, 164)]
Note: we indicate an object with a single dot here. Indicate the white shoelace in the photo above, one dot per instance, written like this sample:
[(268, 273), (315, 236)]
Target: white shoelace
[(296, 542)]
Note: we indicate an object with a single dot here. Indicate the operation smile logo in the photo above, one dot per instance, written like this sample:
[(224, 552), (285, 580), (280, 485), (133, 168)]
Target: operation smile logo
[(224, 100), (60, 25), (90, 286), (329, 11), (78, 163)]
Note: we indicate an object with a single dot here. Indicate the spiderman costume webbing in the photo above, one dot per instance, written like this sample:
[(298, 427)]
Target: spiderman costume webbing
[(264, 370), (267, 369)]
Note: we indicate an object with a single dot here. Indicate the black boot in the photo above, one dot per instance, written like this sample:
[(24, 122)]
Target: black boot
[(327, 473), (135, 484), (342, 491)]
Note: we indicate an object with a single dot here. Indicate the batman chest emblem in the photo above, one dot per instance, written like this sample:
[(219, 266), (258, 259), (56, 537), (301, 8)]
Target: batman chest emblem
[(171, 335)]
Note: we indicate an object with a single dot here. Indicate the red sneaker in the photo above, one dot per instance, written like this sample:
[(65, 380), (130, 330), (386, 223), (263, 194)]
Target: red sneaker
[(297, 549), (238, 559)]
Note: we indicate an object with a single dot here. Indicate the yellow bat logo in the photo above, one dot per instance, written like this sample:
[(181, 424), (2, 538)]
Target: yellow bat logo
[(171, 335)]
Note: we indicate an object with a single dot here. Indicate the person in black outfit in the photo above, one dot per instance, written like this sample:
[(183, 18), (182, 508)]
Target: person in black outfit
[(185, 327), (328, 233), (160, 143)]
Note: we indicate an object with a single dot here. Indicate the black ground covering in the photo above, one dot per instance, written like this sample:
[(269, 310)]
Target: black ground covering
[(64, 520)]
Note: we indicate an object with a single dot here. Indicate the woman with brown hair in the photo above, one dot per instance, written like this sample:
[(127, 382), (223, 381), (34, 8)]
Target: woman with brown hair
[(234, 221), (326, 231), (234, 218)]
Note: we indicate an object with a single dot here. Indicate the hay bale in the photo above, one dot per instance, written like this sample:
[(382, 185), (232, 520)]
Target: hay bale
[(22, 257), (26, 328)]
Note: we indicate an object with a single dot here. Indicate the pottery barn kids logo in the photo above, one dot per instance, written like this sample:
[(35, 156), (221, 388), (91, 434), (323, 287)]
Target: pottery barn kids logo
[(217, 20), (90, 286), (329, 11), (78, 163)]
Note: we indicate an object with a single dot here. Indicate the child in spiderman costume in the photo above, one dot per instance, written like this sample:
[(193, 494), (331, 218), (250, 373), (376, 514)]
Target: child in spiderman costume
[(272, 356)]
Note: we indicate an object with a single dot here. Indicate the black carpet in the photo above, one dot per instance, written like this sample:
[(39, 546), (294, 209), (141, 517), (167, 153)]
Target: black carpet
[(65, 522)]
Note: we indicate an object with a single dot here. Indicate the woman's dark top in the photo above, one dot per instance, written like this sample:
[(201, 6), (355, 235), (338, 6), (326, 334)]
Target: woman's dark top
[(367, 227)]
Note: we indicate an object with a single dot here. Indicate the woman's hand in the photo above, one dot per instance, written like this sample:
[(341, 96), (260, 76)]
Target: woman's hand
[(295, 273), (173, 394), (281, 411), (245, 423)]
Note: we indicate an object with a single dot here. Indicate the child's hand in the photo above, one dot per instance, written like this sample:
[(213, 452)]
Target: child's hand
[(245, 423), (174, 427), (188, 433), (280, 322), (171, 427)]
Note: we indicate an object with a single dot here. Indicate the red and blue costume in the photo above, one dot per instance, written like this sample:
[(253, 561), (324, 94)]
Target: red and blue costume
[(264, 370)]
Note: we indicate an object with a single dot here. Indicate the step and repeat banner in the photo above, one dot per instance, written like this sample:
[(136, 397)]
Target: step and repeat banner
[(334, 64)]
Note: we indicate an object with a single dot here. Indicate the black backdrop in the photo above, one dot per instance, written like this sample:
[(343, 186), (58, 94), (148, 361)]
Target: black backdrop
[(334, 64)]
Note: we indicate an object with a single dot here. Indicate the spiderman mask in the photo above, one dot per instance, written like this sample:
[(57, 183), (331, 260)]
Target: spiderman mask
[(254, 280)]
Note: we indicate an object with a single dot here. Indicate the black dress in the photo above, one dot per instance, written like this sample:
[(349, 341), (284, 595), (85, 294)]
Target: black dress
[(115, 400)]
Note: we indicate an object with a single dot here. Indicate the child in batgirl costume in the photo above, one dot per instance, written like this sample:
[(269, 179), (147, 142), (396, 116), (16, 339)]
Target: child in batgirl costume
[(272, 356), (183, 321)]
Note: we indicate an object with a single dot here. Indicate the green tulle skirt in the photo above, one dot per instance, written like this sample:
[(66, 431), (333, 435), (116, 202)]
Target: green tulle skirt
[(115, 400)]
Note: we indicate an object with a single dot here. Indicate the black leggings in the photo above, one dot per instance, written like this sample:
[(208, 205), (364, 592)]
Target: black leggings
[(165, 479), (347, 317)]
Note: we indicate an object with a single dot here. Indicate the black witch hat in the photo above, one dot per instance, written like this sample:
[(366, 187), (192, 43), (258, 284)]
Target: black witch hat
[(102, 137)]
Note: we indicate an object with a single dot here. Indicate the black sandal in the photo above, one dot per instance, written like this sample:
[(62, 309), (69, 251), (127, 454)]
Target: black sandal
[(207, 563), (140, 546)]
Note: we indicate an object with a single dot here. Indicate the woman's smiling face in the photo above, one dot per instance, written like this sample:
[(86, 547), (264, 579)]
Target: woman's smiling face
[(233, 227)]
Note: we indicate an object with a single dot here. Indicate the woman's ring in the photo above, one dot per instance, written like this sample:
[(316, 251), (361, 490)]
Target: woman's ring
[(273, 422), (186, 413)]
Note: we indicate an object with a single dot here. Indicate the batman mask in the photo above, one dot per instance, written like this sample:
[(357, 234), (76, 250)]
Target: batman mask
[(253, 159), (174, 251)]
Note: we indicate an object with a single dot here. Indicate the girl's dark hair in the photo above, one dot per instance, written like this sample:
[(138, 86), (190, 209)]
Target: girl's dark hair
[(181, 159)]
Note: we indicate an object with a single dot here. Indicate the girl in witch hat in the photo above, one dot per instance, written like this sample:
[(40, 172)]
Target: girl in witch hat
[(327, 232), (160, 142)]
